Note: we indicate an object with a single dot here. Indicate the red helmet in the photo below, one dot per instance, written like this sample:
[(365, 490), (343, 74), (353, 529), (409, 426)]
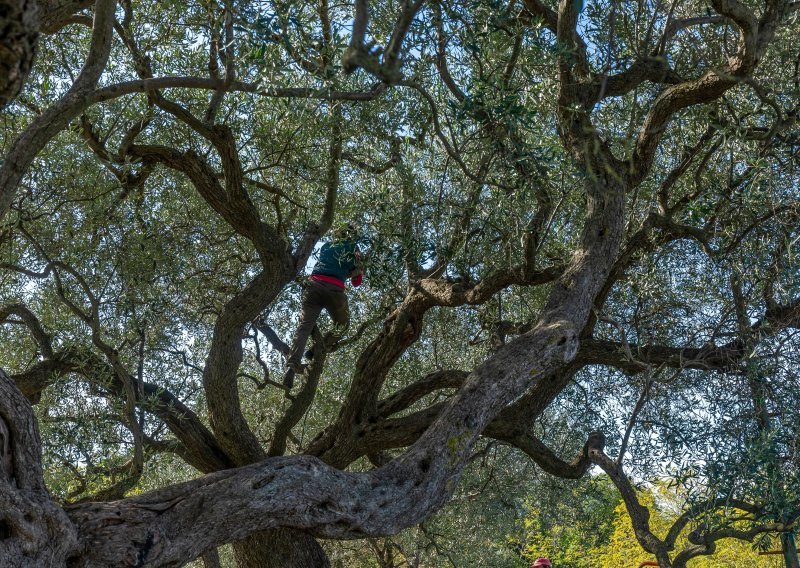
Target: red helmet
[(541, 562)]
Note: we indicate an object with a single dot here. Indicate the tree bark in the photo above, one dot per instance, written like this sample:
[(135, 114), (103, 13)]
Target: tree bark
[(19, 31), (280, 548), (211, 559), (34, 530)]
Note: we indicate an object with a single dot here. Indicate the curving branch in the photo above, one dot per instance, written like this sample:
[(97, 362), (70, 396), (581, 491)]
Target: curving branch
[(653, 69), (301, 402), (220, 373), (383, 63), (441, 54), (42, 338), (315, 230), (706, 543), (56, 14), (545, 458), (721, 358), (702, 542), (755, 36), (703, 508), (34, 138), (639, 515), (675, 26), (432, 382), (230, 202)]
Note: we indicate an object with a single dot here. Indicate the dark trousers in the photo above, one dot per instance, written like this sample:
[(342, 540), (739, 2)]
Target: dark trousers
[(316, 296)]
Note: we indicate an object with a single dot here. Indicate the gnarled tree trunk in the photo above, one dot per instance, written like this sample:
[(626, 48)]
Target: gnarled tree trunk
[(34, 530)]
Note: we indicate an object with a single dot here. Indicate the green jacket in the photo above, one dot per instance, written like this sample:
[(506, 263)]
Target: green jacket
[(337, 259)]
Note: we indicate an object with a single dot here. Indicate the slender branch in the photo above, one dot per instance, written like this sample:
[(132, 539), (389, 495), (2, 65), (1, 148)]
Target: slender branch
[(704, 508), (407, 396), (271, 336), (56, 14), (230, 64), (315, 230), (545, 457), (441, 54), (637, 408), (301, 402), (42, 338), (675, 26), (358, 54), (639, 515), (754, 37)]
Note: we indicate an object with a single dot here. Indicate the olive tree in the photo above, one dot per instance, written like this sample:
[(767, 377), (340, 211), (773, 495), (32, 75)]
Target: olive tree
[(589, 196)]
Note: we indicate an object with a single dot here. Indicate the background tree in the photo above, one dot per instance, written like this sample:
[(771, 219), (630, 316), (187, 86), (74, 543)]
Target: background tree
[(588, 209)]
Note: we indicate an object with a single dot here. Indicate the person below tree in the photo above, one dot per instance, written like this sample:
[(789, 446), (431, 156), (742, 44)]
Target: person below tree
[(338, 261), (541, 562)]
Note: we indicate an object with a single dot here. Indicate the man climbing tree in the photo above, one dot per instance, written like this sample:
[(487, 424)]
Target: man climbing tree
[(338, 261)]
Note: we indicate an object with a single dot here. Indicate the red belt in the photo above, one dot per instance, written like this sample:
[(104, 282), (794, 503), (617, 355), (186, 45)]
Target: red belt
[(328, 279)]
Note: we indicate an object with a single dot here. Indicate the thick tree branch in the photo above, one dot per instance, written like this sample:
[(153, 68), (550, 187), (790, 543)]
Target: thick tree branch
[(225, 357)]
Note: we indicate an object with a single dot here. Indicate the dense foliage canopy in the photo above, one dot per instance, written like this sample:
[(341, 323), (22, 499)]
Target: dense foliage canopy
[(582, 231)]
